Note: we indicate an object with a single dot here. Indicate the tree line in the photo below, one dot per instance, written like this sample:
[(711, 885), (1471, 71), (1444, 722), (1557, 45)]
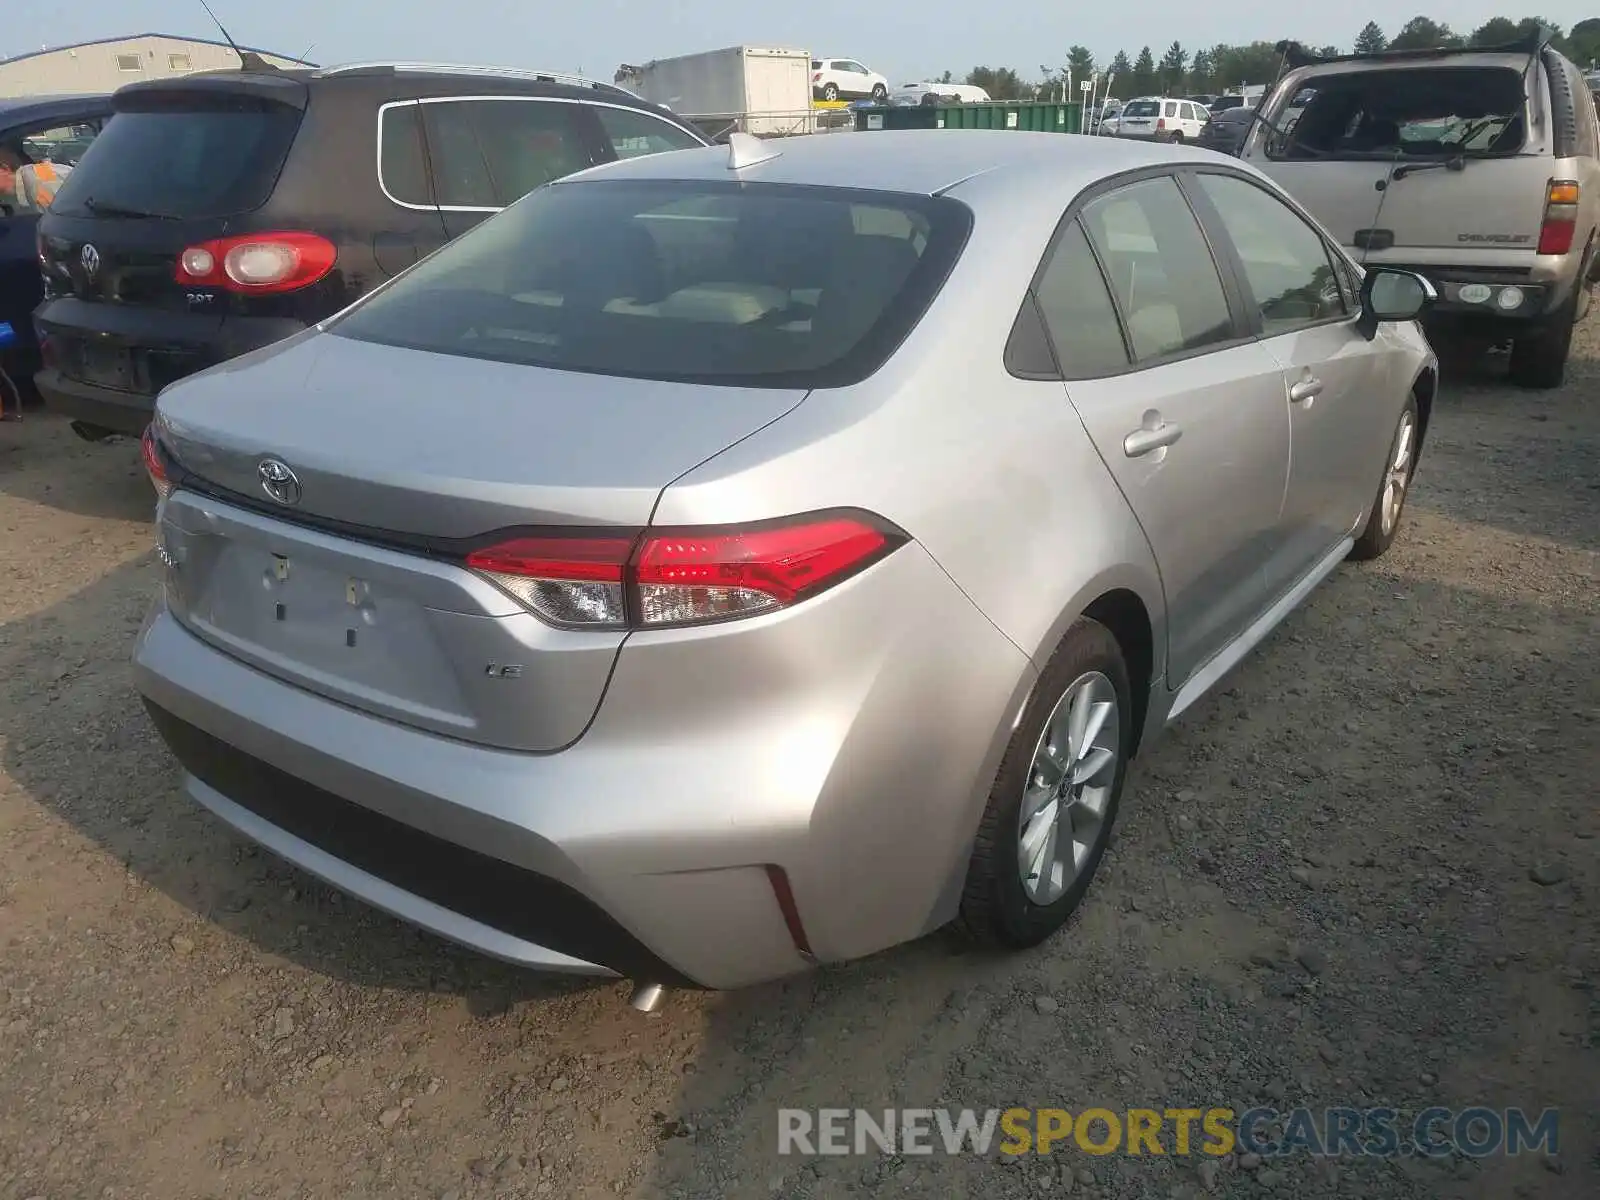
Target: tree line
[(1217, 68)]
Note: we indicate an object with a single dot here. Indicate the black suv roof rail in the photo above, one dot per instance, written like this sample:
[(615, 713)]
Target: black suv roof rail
[(1296, 55), (432, 68)]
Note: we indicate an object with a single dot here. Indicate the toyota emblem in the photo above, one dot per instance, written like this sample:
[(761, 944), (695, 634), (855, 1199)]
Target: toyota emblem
[(91, 260), (278, 481)]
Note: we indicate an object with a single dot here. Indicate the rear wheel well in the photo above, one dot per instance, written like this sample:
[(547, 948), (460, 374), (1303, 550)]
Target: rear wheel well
[(1124, 614)]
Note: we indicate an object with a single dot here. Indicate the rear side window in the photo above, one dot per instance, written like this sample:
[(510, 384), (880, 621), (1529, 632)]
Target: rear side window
[(713, 282), (1078, 312), (635, 133), (186, 157), (401, 170), (488, 153), (1161, 269)]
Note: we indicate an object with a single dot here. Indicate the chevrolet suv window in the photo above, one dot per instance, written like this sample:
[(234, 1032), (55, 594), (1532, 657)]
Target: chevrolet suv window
[(743, 284), (488, 153), (187, 159), (1161, 269), (1422, 112), (1286, 263), (635, 133)]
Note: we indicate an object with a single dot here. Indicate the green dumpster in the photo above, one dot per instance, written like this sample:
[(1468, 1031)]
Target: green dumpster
[(1041, 116)]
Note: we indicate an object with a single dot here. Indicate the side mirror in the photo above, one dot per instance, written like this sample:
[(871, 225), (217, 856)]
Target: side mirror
[(1388, 295)]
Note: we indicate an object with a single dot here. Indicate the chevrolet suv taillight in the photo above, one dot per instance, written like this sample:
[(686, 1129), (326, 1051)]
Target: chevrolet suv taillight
[(1560, 217), (258, 262), (670, 577)]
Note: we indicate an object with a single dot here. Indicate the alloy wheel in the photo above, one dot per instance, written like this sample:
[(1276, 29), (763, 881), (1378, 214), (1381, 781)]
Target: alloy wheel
[(1399, 476), (1069, 788)]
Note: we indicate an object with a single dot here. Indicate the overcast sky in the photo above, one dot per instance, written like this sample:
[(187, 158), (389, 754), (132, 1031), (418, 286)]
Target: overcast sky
[(901, 38)]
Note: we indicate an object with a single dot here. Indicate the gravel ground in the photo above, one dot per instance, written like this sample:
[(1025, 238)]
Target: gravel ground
[(1364, 873)]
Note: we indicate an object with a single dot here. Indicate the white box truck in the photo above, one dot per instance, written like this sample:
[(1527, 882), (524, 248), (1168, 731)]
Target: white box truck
[(766, 90)]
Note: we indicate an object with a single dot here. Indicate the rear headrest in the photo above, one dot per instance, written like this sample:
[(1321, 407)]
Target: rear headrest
[(867, 271)]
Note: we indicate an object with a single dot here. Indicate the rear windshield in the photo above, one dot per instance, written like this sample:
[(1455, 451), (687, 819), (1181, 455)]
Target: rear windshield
[(749, 285), (176, 160), (1141, 108), (1223, 103), (1422, 113)]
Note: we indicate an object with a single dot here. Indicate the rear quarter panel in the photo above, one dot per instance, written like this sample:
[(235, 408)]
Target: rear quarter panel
[(993, 475)]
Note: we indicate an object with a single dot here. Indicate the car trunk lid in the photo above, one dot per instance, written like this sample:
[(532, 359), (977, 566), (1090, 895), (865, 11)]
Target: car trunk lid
[(348, 581)]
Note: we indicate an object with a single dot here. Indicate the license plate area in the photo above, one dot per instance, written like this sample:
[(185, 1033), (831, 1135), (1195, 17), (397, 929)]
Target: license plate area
[(309, 611), (104, 365)]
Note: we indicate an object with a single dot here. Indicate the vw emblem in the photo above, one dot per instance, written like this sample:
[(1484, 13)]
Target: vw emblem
[(91, 260), (278, 481)]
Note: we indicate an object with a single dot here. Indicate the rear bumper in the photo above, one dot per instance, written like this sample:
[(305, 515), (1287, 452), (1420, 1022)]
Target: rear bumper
[(806, 742), (159, 347), (120, 412)]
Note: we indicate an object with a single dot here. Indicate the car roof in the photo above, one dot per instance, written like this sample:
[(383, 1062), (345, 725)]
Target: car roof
[(396, 79), (16, 110), (917, 161)]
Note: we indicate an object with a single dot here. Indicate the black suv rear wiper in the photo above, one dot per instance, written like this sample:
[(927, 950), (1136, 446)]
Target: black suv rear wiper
[(101, 209)]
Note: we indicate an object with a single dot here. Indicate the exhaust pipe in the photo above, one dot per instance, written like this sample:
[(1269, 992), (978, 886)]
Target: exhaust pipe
[(647, 997)]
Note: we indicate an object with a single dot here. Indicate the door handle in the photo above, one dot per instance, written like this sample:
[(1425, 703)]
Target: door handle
[(1308, 388), (1143, 440)]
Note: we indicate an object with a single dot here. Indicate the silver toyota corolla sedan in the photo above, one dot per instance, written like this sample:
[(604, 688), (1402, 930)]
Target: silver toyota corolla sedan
[(733, 560)]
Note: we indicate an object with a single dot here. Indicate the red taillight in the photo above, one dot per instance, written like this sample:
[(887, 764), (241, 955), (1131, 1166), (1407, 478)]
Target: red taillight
[(1560, 217), (670, 577), (816, 75), (154, 465), (258, 262), (1161, 123)]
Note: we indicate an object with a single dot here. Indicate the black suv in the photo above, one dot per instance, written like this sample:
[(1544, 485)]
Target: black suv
[(224, 211)]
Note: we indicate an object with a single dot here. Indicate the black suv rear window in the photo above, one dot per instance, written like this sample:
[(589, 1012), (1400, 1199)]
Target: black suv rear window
[(1423, 112), (756, 285), (209, 156)]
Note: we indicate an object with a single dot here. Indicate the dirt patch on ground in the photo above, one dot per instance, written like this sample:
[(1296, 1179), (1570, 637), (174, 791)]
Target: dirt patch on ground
[(1364, 873)]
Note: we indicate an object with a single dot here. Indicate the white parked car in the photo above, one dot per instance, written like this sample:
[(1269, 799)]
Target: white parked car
[(938, 93), (1162, 120), (846, 79)]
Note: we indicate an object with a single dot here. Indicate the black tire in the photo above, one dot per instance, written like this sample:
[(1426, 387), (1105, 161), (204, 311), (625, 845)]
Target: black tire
[(995, 909), (830, 91), (879, 93), (1177, 137), (1375, 539), (1539, 357)]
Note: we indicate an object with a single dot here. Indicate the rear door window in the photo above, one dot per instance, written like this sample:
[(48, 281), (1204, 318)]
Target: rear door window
[(634, 133), (1162, 272), (488, 153), (183, 155), (402, 170)]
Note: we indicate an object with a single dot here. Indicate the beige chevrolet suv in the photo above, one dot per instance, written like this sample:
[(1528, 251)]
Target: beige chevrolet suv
[(1476, 168)]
